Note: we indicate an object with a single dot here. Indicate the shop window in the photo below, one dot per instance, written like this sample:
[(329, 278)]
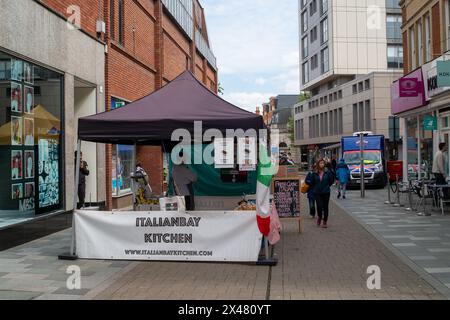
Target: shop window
[(122, 161), (121, 22), (30, 140), (413, 157)]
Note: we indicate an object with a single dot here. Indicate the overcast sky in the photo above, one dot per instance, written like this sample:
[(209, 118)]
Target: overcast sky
[(257, 48)]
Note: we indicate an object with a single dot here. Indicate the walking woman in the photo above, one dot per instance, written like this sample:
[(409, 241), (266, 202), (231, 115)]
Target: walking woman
[(342, 176), (321, 181)]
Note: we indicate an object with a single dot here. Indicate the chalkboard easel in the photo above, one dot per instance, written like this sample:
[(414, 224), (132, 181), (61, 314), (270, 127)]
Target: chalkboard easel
[(286, 197)]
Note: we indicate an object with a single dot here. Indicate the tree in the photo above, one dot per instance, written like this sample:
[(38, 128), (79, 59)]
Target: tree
[(221, 89), (303, 96)]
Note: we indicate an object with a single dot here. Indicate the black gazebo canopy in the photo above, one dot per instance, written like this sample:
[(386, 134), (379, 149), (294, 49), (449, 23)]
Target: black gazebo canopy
[(152, 119)]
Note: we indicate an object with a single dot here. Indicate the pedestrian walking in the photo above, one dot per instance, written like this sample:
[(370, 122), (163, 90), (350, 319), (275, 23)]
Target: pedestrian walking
[(84, 172), (342, 177), (334, 164), (311, 198), (321, 182)]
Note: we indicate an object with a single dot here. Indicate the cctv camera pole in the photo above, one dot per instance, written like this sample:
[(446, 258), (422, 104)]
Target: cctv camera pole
[(361, 148)]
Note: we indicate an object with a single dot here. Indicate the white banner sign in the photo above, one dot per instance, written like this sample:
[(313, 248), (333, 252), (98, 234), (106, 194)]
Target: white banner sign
[(172, 236), (224, 153)]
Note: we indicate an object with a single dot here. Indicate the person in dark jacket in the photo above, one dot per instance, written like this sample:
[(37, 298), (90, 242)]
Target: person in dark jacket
[(321, 181), (84, 172), (342, 176), (311, 198)]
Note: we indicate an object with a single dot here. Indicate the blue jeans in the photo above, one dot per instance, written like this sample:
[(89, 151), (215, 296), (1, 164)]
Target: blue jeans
[(342, 189), (312, 207)]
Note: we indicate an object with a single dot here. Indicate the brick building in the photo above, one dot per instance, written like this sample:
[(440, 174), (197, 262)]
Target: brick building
[(67, 59), (149, 44)]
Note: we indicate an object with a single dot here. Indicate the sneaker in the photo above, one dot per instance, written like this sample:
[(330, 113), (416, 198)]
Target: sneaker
[(324, 225), (319, 222)]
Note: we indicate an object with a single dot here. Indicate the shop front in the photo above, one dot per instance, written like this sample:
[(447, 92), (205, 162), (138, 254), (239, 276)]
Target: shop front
[(424, 109), (31, 113), (45, 85)]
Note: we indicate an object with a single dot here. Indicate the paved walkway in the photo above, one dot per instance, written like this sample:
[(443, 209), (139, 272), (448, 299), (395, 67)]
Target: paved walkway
[(318, 264), (422, 242)]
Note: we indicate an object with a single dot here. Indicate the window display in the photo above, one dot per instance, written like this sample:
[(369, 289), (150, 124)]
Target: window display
[(48, 172), (29, 164), (29, 131), (16, 97), (16, 131), (30, 140), (16, 165), (122, 161), (28, 99), (17, 191)]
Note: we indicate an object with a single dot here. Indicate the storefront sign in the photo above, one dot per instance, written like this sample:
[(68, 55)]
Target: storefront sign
[(430, 123), (170, 236), (430, 74), (408, 93), (443, 73), (409, 87)]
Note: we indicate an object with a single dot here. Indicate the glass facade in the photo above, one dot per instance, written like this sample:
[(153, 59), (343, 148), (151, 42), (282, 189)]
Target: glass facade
[(420, 148), (413, 156), (122, 161), (31, 110)]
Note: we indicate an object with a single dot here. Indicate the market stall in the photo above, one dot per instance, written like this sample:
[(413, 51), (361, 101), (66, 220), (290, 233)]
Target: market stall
[(194, 236)]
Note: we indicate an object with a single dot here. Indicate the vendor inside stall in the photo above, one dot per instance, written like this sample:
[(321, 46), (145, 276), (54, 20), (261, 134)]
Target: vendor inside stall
[(184, 179)]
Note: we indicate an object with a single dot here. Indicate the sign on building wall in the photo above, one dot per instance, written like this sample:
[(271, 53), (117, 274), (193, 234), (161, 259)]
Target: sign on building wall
[(430, 123), (443, 73), (430, 75)]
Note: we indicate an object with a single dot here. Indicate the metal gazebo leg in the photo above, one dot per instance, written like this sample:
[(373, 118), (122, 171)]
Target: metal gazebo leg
[(72, 254)]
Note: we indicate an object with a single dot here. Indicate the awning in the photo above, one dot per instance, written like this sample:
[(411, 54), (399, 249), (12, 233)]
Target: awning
[(332, 147)]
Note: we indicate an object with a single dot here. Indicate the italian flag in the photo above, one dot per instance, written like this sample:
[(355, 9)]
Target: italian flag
[(265, 174)]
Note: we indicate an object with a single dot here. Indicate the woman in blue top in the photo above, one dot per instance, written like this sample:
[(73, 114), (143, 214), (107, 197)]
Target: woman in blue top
[(342, 175), (311, 198), (321, 181)]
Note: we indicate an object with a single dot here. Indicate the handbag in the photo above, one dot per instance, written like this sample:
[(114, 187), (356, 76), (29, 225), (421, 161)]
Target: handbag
[(305, 188)]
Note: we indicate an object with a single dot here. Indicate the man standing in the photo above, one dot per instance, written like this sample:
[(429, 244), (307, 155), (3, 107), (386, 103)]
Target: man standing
[(184, 180), (439, 165), (84, 172)]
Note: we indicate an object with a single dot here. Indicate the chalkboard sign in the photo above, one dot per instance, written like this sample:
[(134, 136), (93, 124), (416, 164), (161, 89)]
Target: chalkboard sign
[(286, 194)]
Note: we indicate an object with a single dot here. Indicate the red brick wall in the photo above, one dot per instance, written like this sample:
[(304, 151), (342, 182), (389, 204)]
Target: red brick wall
[(89, 12), (151, 159), (436, 30), (154, 52), (176, 50), (174, 59)]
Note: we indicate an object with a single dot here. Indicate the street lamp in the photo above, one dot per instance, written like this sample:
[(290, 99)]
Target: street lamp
[(361, 148)]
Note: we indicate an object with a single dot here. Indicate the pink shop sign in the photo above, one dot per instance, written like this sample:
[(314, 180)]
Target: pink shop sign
[(408, 93)]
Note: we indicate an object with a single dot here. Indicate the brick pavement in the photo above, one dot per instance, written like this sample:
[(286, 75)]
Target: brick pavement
[(423, 242), (319, 264)]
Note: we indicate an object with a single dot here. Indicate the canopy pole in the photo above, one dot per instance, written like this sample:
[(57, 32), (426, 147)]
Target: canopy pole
[(132, 180), (72, 254)]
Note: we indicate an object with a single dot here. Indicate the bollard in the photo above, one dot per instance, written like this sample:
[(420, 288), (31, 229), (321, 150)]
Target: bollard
[(397, 204), (409, 209), (389, 191)]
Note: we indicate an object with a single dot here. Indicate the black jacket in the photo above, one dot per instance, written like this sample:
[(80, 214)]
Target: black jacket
[(322, 186)]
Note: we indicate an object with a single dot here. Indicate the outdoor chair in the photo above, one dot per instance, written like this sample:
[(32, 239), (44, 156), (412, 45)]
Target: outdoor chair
[(442, 199), (423, 193)]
